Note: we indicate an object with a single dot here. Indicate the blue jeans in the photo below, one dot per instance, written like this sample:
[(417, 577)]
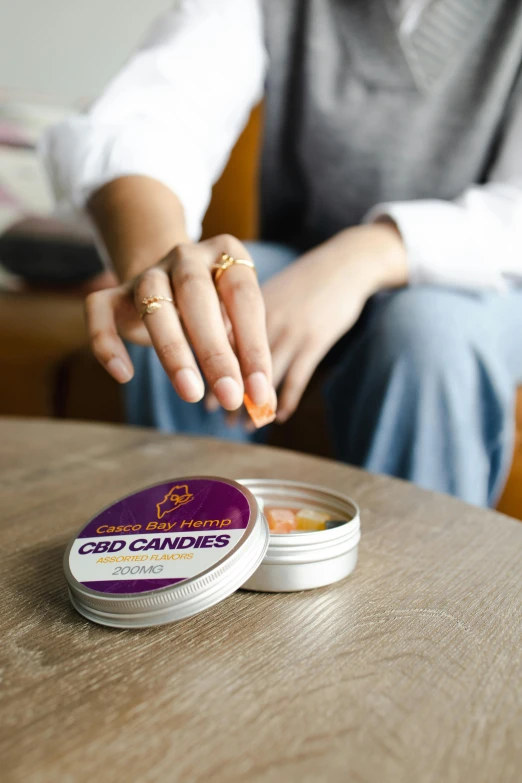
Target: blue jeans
[(423, 387)]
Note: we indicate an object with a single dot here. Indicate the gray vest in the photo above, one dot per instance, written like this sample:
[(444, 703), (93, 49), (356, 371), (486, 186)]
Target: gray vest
[(355, 116)]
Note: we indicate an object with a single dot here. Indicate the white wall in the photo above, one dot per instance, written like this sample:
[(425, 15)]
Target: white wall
[(68, 49)]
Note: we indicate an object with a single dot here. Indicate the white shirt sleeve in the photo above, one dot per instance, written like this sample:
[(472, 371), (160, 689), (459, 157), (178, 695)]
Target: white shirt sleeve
[(173, 112), (474, 242)]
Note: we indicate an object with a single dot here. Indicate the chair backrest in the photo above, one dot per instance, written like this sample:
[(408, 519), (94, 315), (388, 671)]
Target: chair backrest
[(233, 208)]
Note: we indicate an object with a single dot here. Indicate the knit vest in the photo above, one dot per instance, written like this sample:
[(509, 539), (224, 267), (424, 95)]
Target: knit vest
[(355, 114)]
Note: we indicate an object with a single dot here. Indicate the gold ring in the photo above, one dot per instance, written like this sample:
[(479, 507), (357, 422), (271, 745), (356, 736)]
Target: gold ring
[(152, 303), (225, 263)]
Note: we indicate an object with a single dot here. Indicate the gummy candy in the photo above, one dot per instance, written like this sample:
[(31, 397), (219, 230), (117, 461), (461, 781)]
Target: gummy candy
[(280, 520), (306, 520), (309, 519), (261, 415)]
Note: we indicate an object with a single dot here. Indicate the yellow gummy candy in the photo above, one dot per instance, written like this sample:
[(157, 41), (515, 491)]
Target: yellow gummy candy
[(309, 519)]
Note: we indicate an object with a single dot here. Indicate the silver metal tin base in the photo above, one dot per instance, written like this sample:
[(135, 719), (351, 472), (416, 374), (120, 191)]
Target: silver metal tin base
[(303, 561)]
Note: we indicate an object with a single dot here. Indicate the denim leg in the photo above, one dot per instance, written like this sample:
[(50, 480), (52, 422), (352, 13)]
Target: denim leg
[(426, 390), (150, 399)]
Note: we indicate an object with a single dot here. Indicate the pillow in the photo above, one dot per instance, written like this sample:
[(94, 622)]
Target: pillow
[(33, 244)]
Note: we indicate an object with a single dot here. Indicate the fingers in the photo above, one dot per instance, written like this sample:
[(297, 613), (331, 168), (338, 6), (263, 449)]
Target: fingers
[(106, 344), (297, 378), (224, 334), (200, 310), (167, 335), (295, 360), (283, 352), (244, 305)]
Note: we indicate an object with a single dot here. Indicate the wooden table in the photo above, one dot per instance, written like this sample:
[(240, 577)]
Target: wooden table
[(410, 670)]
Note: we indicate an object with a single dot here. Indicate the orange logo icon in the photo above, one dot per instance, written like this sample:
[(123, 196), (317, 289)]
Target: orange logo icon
[(176, 496)]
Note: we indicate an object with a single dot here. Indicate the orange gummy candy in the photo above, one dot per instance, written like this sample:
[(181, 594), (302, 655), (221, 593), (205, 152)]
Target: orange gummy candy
[(280, 520), (261, 415)]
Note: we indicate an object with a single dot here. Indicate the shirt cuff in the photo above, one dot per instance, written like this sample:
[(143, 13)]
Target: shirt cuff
[(444, 245), (81, 156)]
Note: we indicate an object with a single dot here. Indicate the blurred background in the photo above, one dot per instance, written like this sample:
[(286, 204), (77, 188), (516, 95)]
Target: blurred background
[(50, 66)]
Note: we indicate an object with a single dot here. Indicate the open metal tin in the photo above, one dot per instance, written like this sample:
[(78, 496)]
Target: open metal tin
[(177, 548), (302, 561)]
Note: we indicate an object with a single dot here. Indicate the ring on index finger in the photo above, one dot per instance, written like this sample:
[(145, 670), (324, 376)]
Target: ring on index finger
[(226, 262), (153, 303)]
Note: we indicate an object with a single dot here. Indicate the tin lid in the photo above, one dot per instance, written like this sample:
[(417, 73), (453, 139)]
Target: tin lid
[(166, 552)]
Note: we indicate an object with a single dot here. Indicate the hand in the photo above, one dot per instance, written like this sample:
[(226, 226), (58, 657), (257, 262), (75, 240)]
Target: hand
[(198, 326), (319, 298)]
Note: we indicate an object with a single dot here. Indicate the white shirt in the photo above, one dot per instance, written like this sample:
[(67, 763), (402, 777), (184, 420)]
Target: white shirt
[(205, 60)]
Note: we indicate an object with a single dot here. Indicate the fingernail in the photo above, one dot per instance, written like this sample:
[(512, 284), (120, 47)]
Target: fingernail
[(281, 417), (229, 393), (119, 370), (188, 385), (211, 403), (257, 388)]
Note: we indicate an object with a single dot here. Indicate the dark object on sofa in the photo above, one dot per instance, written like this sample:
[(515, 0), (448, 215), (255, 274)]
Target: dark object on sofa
[(49, 253)]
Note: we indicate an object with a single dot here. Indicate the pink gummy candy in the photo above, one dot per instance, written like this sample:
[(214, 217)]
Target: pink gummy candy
[(281, 520)]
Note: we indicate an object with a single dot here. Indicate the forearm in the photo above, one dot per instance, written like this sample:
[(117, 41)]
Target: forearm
[(372, 257), (386, 264), (139, 220)]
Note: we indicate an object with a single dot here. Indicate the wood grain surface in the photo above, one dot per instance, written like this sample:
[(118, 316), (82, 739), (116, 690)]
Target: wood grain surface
[(409, 670)]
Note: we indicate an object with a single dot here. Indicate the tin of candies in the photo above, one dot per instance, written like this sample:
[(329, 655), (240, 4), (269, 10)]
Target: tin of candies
[(177, 548)]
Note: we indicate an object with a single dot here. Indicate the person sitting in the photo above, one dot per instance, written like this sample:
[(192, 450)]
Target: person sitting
[(391, 225)]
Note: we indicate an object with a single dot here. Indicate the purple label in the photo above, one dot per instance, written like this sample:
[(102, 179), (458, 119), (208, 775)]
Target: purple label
[(160, 536)]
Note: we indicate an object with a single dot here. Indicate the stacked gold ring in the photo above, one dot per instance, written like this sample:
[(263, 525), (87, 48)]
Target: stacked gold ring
[(226, 262)]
